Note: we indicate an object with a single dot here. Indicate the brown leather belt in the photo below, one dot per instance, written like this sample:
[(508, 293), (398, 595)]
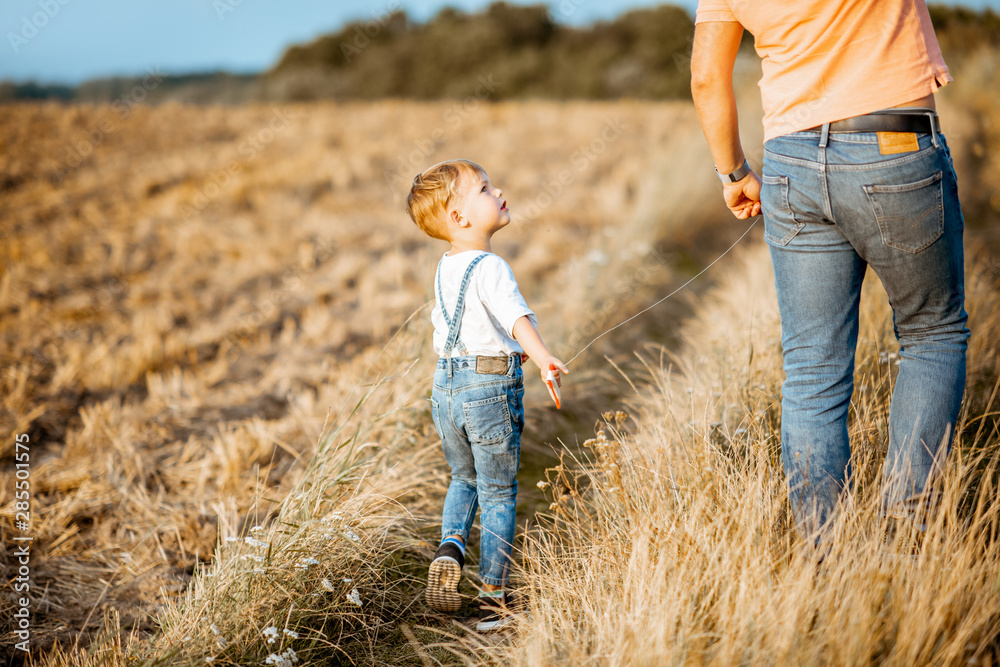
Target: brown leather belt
[(882, 122)]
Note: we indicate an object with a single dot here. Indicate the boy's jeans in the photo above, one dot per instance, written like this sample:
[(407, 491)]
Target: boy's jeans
[(480, 419), (833, 204)]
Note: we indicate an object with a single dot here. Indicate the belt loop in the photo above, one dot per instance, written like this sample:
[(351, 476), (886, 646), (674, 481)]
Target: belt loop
[(449, 367), (932, 117), (824, 136)]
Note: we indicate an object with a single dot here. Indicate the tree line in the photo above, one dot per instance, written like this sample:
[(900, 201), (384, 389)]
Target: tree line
[(644, 53)]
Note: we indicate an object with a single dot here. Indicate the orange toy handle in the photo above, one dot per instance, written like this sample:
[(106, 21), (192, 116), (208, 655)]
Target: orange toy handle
[(553, 386)]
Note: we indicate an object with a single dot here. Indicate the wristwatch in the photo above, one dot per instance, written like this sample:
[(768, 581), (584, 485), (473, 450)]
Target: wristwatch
[(740, 172)]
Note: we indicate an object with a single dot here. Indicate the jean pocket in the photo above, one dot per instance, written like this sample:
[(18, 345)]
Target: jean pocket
[(780, 225), (910, 216), (488, 420)]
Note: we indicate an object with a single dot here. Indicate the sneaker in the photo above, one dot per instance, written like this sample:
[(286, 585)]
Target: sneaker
[(443, 577), (496, 612)]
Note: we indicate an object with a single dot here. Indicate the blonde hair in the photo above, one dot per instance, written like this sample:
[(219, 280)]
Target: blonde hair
[(432, 191)]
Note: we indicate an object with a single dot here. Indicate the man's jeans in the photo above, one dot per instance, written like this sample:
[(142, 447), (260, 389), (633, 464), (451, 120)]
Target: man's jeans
[(833, 204), (480, 418)]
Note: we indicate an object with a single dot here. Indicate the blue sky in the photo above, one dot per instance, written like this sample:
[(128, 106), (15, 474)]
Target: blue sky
[(68, 41)]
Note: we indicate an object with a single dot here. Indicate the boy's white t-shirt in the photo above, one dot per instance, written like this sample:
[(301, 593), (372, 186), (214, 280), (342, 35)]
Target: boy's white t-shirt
[(493, 303)]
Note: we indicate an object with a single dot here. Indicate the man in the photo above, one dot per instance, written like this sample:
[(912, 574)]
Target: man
[(856, 173)]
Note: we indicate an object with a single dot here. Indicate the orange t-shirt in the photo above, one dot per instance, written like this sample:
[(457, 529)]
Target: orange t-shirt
[(823, 60)]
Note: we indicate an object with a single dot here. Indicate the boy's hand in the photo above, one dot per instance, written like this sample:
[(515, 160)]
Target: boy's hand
[(551, 369), (560, 367)]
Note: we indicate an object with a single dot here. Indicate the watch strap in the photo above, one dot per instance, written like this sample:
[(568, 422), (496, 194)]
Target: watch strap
[(740, 173)]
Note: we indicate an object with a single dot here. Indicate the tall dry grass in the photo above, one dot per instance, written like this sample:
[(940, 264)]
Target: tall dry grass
[(187, 355), (671, 543), (177, 342)]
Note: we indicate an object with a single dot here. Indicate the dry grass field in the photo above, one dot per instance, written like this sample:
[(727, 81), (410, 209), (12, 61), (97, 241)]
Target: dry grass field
[(215, 329)]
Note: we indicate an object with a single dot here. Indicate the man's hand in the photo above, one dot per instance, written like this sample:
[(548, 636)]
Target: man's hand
[(743, 196)]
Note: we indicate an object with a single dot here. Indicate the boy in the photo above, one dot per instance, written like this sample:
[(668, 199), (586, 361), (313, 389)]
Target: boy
[(482, 331)]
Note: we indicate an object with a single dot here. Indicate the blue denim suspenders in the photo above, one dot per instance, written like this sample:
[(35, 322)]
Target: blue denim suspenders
[(455, 321)]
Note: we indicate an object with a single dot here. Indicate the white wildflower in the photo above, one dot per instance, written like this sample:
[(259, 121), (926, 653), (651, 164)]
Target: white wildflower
[(232, 539), (351, 535), (256, 557), (292, 633), (307, 563), (258, 570), (325, 583), (256, 529), (286, 659), (347, 580), (271, 633), (209, 659), (214, 629), (354, 597), (254, 542)]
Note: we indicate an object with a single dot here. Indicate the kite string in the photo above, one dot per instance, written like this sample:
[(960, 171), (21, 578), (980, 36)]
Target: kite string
[(621, 324)]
